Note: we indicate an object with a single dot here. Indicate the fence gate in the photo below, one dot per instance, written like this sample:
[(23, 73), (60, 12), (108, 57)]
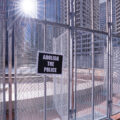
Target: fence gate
[(95, 61), (40, 96), (91, 104)]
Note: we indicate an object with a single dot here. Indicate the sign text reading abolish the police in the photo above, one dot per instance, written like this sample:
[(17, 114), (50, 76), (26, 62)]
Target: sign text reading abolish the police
[(49, 63)]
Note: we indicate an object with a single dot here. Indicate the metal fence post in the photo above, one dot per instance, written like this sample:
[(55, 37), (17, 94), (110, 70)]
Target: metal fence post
[(109, 50), (93, 57), (10, 72), (4, 81), (4, 49), (75, 60), (69, 59), (45, 87), (72, 58), (15, 73)]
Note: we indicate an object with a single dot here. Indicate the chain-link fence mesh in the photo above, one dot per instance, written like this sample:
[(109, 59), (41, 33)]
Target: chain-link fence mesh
[(29, 39), (57, 11), (1, 71), (100, 91), (30, 86), (84, 76), (2, 55), (61, 46), (32, 36), (115, 75), (50, 10)]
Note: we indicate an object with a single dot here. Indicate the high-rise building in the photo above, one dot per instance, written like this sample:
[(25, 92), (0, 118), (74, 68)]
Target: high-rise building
[(114, 16), (63, 11), (84, 39), (103, 21), (83, 13), (117, 4), (96, 16), (103, 16)]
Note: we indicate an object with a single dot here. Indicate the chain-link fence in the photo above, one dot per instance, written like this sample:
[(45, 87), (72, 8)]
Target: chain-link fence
[(1, 71), (84, 75), (2, 62), (30, 104), (84, 93), (115, 75), (100, 91), (75, 29)]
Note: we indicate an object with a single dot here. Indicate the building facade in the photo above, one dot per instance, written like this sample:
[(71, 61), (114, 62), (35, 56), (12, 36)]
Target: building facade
[(103, 16), (114, 16), (117, 16), (84, 39)]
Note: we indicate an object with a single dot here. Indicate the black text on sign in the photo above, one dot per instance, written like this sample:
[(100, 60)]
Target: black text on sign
[(49, 63)]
